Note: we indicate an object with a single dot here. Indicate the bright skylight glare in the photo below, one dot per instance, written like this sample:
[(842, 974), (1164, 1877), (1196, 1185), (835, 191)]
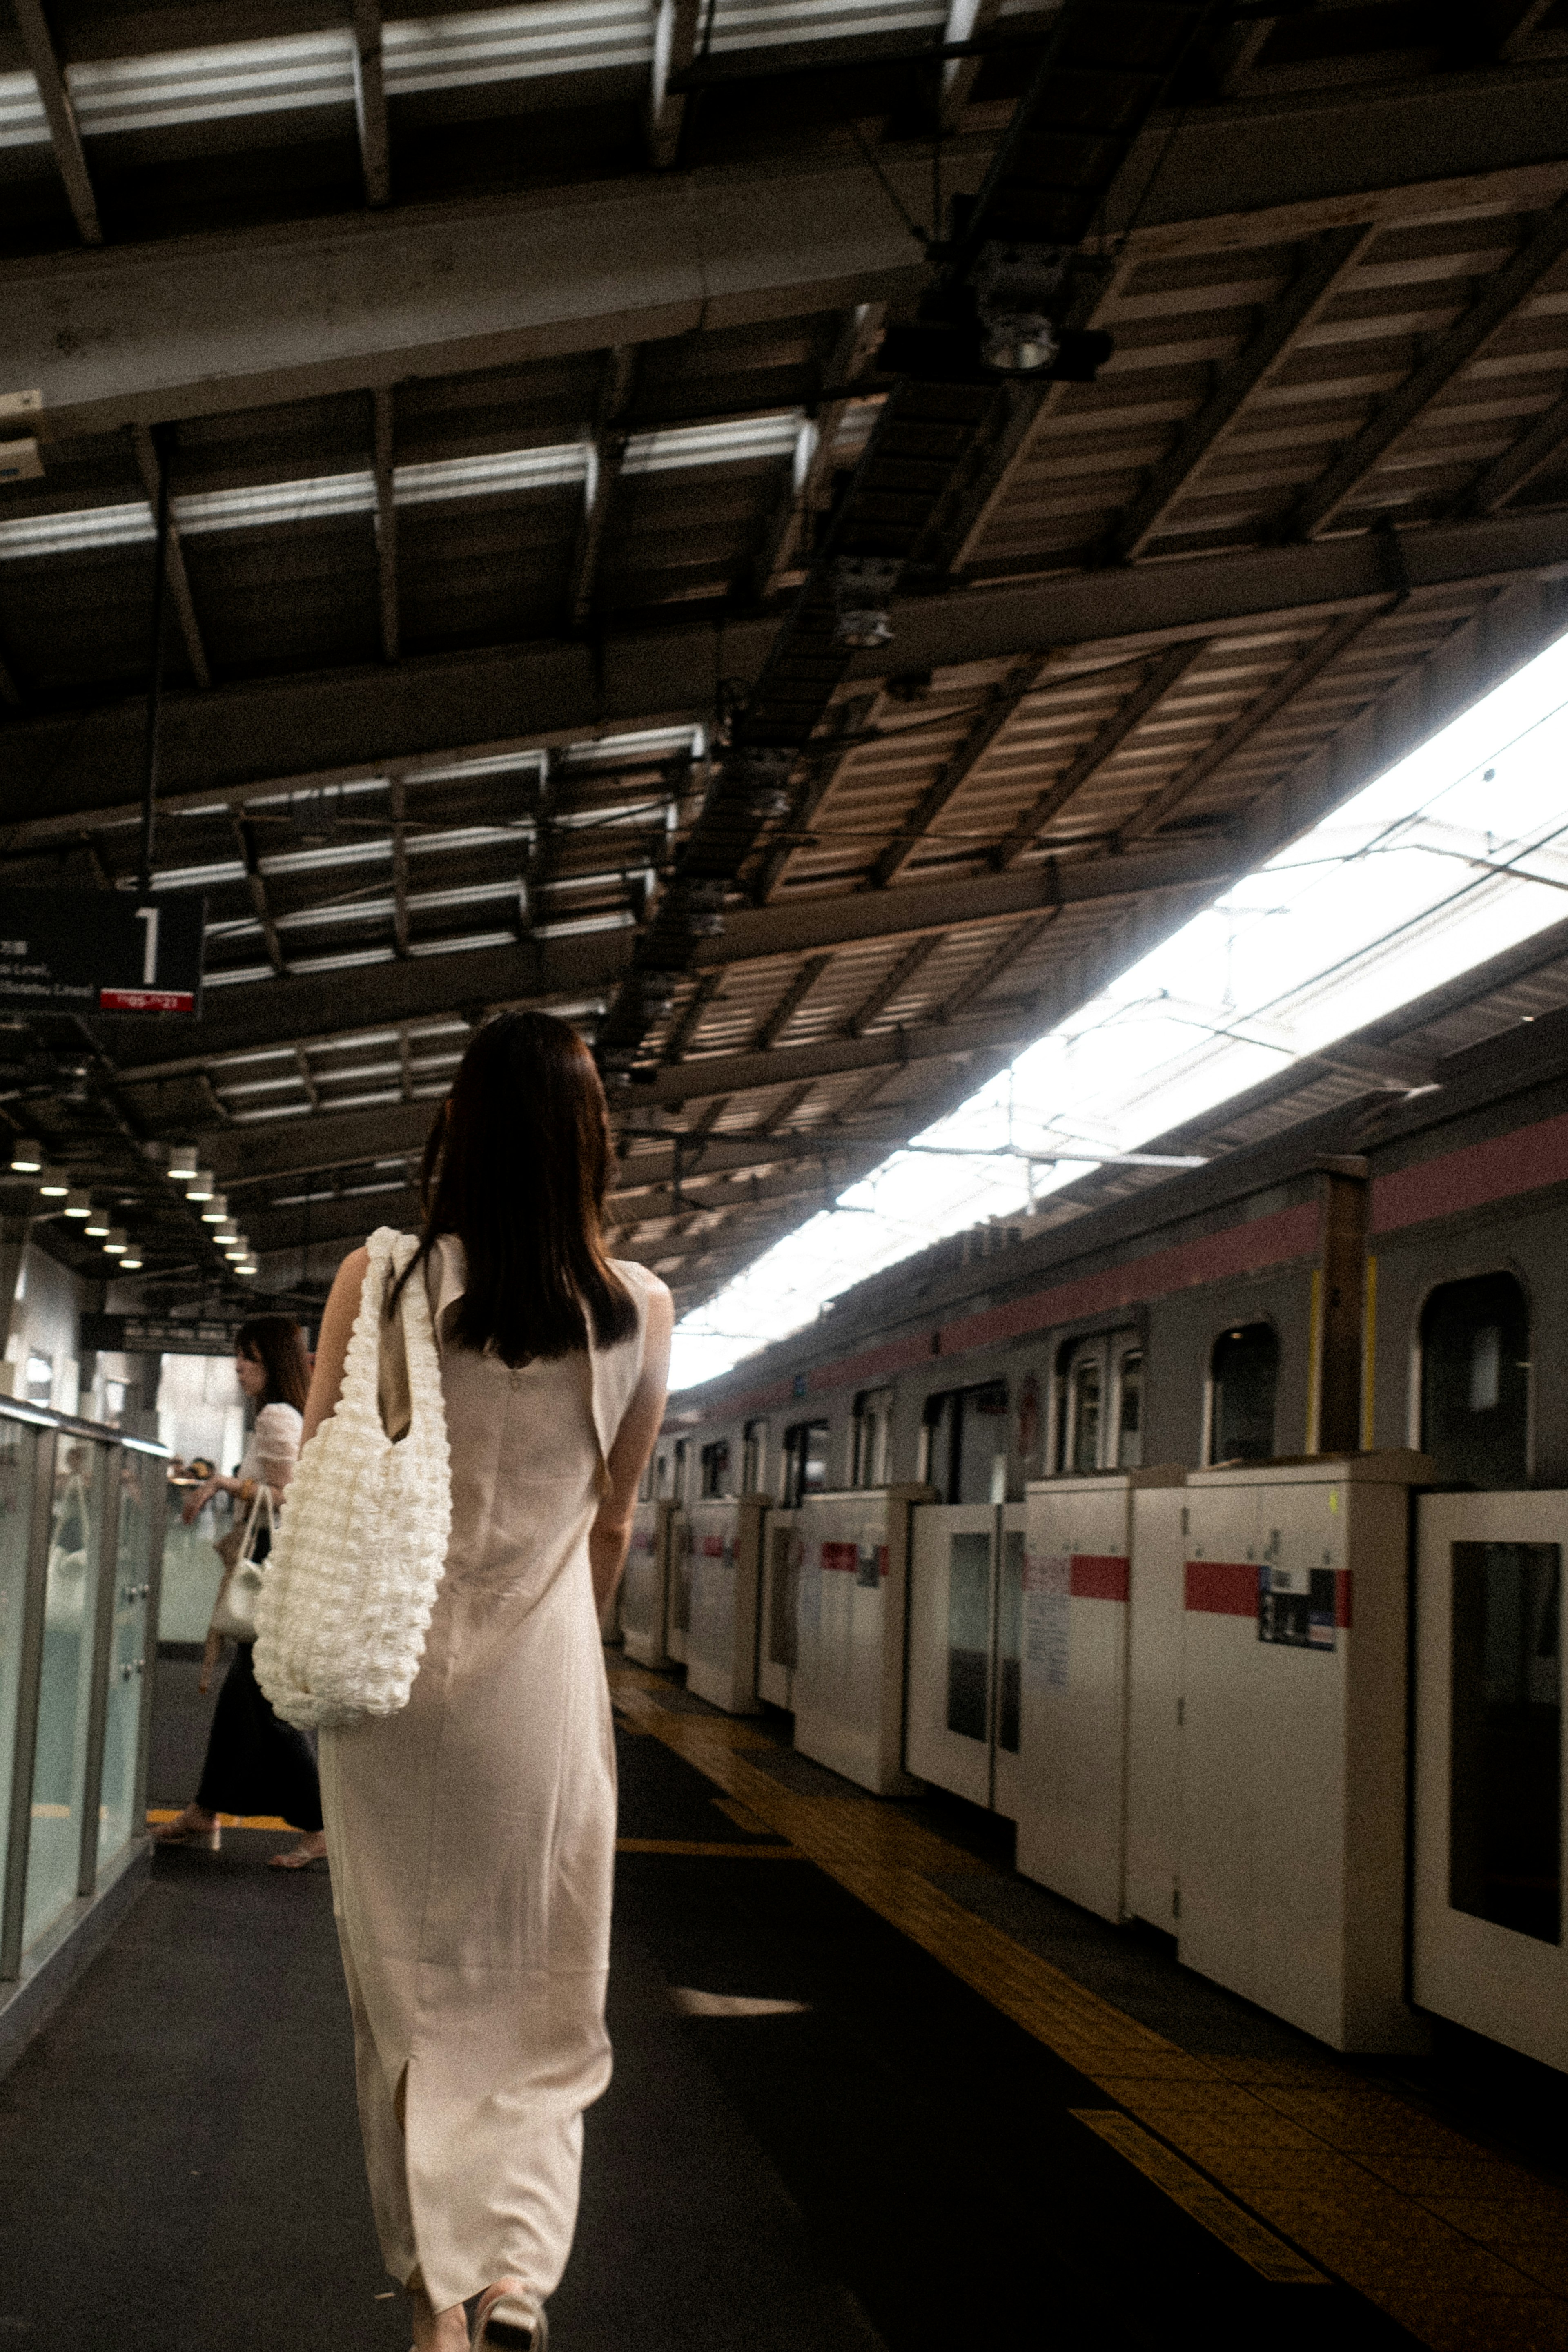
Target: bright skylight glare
[(1393, 894)]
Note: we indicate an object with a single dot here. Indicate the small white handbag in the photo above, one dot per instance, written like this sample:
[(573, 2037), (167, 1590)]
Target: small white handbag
[(234, 1613), (346, 1599)]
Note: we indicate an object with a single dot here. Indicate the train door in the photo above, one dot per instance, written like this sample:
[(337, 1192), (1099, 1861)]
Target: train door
[(1475, 1381), (1243, 1387), (1100, 1419), (1489, 1767), (965, 1626)]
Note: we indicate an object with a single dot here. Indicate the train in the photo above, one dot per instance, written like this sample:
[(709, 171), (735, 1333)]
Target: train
[(1208, 1530)]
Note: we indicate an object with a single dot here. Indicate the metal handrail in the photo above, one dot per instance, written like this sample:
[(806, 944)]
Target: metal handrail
[(44, 1416)]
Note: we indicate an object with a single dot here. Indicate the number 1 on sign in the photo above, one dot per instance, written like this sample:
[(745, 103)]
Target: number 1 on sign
[(149, 915)]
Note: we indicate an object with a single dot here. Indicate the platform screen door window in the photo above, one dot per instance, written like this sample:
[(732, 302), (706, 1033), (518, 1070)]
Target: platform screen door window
[(1130, 1410), (1475, 1380), (872, 1435), (805, 1461), (1505, 1800), (968, 1634), (17, 1445), (712, 1468), (1010, 1639), (1245, 1377), (753, 1458)]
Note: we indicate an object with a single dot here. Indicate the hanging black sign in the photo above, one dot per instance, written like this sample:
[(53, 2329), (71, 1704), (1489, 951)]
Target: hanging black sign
[(100, 951)]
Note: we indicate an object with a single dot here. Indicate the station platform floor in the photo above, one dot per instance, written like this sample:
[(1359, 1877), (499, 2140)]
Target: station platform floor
[(871, 2090)]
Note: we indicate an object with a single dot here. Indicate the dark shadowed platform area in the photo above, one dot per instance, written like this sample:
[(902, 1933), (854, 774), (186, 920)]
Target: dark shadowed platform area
[(882, 2158)]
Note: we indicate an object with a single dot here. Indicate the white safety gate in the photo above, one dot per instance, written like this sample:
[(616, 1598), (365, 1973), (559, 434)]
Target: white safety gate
[(645, 1585), (1489, 1767), (1072, 1763), (1293, 1760), (721, 1646), (966, 1615), (848, 1684)]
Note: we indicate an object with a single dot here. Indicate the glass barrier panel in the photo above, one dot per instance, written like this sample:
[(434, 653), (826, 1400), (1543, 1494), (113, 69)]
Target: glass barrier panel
[(18, 1452), (784, 1585), (968, 1632), (192, 1570), (1009, 1640), (64, 1694), (1505, 1802), (127, 1653)]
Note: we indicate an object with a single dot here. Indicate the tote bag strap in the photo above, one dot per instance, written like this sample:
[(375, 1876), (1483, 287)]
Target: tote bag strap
[(263, 1495)]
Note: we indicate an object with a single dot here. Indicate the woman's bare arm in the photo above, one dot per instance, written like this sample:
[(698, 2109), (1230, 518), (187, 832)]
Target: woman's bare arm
[(611, 1532), (338, 1317)]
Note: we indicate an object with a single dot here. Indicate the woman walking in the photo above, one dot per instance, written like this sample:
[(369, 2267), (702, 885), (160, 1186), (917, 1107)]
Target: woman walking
[(472, 1834), (256, 1763)]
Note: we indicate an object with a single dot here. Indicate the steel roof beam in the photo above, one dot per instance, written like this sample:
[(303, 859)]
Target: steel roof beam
[(675, 47), (205, 326), (296, 732), (1162, 674), (1518, 466), (998, 707), (178, 579), (1317, 280), (65, 136), (1501, 298), (371, 103)]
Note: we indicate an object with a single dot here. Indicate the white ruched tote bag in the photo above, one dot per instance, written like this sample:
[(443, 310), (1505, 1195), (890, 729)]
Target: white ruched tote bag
[(361, 1549)]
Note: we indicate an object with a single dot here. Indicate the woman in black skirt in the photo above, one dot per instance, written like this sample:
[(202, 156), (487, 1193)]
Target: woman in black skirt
[(257, 1763)]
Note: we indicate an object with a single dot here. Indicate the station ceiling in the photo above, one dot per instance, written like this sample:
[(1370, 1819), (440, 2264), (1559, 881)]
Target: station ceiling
[(520, 382)]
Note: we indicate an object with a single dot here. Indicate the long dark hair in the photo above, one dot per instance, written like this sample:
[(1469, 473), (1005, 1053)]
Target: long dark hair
[(277, 1343), (516, 1166)]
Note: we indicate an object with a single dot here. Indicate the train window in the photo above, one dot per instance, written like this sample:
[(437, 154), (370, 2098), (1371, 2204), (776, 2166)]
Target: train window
[(872, 1433), (805, 1461), (661, 1476), (1475, 1380), (1130, 1411), (753, 1458), (1505, 1798), (713, 1469), (963, 1443), (1245, 1374), (679, 1487)]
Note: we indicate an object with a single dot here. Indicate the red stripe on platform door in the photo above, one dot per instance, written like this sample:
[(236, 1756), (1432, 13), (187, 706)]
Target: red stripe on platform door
[(1342, 1596), (1222, 1588), (1098, 1576), (840, 1558)]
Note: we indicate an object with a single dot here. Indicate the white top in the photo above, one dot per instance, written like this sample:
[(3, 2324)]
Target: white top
[(272, 1448)]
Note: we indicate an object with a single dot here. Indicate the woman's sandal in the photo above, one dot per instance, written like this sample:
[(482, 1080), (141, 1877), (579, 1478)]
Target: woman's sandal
[(509, 2335), (179, 1831), (298, 1857)]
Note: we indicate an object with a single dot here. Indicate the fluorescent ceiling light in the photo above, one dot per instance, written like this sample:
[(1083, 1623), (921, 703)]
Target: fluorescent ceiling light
[(350, 960), (473, 477), (464, 946), (735, 440), (27, 1156)]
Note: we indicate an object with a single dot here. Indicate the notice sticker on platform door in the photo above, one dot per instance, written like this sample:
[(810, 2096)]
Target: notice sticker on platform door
[(1047, 1618), (1296, 1608), (867, 1571)]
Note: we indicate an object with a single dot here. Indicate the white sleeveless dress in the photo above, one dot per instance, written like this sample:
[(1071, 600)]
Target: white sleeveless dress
[(472, 1836)]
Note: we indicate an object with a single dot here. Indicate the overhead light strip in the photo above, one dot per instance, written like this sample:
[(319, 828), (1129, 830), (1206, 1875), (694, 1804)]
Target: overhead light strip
[(269, 505), (304, 72)]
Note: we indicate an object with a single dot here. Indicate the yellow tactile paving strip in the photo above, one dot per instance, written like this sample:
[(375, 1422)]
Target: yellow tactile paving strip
[(1463, 2247)]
